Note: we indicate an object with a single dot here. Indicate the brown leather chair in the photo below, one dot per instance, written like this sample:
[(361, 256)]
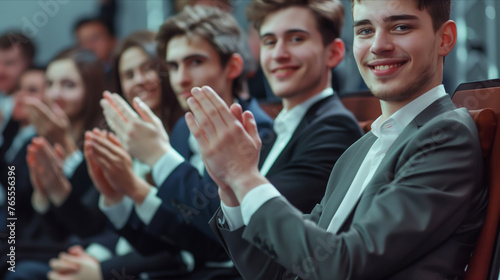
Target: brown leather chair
[(476, 96), (364, 106)]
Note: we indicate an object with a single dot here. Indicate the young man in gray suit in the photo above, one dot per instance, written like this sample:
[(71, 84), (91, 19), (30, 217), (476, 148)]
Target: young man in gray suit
[(404, 202)]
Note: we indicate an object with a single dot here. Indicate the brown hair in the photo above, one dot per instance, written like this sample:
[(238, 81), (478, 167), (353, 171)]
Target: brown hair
[(224, 5), (14, 39), (94, 80), (218, 28), (329, 14), (171, 111), (438, 9)]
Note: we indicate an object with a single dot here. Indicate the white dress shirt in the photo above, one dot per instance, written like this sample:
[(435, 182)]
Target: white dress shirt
[(386, 132), (6, 107), (284, 126)]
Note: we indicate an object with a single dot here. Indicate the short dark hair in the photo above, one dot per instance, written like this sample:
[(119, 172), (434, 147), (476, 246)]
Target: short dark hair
[(217, 27), (329, 14), (105, 23), (439, 10), (16, 39)]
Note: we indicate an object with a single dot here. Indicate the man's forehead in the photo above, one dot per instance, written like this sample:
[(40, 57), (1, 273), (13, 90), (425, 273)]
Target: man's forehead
[(382, 9), (181, 47), (288, 19)]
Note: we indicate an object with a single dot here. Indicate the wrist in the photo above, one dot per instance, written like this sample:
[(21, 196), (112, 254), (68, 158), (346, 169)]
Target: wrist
[(159, 153), (243, 184), (110, 200), (228, 197), (58, 197), (140, 192)]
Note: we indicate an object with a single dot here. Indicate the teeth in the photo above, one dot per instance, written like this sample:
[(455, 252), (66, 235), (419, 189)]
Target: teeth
[(385, 67), (281, 70)]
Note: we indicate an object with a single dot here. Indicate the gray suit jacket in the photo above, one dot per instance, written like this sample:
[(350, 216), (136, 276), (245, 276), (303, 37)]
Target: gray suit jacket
[(418, 218)]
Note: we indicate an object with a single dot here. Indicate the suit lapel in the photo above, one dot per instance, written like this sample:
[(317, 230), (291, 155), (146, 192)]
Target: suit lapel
[(342, 176), (383, 175), (310, 115)]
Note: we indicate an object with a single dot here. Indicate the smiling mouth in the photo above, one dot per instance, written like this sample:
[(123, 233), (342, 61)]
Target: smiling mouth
[(387, 67)]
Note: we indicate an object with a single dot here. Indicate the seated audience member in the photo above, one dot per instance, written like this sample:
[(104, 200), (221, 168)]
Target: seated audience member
[(59, 177), (201, 46), (138, 75), (406, 201), (302, 151), (16, 55), (98, 35), (31, 85)]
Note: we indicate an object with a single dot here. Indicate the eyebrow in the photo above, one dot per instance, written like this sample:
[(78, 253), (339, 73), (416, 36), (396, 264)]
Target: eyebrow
[(192, 56), (289, 31), (387, 19)]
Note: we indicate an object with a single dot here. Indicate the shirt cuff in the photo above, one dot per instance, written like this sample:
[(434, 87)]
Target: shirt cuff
[(71, 163), (99, 252), (118, 213), (255, 198), (165, 165), (233, 216), (147, 210)]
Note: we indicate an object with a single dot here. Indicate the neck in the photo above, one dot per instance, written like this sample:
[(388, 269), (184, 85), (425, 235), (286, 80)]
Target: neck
[(324, 82)]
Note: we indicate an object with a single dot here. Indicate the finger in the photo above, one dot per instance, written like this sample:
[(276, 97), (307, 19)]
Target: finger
[(108, 96), (53, 275), (221, 106), (101, 157), (143, 110), (76, 250), (63, 266), (59, 150), (211, 108), (124, 107), (196, 131), (113, 117), (59, 113), (237, 112), (112, 137), (202, 119), (251, 127), (113, 149), (42, 111)]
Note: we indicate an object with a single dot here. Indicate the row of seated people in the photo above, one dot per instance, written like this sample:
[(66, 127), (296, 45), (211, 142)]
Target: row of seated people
[(149, 177)]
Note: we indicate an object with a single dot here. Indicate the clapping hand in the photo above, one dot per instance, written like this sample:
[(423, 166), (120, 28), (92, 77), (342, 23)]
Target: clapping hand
[(143, 135)]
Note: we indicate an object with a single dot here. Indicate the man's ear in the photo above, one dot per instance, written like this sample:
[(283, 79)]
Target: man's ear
[(335, 52), (234, 66), (448, 33)]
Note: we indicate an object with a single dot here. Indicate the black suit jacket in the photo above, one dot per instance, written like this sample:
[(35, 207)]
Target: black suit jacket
[(418, 217)]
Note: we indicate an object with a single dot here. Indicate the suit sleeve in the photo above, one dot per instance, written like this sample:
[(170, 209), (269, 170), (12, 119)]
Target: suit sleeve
[(433, 190)]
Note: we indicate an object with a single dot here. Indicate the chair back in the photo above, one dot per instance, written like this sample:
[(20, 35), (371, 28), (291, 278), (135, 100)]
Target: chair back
[(364, 106), (483, 101)]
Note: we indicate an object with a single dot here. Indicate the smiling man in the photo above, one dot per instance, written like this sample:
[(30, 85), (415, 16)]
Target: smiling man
[(406, 201)]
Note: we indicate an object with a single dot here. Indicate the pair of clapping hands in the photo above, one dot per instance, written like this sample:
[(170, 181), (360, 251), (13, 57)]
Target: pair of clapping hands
[(45, 161)]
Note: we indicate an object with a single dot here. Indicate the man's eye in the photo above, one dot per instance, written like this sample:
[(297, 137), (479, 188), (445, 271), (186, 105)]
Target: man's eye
[(268, 42), (196, 62), (364, 31), (402, 28)]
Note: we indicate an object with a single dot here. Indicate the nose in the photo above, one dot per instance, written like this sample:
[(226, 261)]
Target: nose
[(280, 50), (183, 77), (382, 42), (139, 77)]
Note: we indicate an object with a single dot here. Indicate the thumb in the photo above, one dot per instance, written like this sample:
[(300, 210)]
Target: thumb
[(58, 111), (76, 250), (251, 126), (143, 110)]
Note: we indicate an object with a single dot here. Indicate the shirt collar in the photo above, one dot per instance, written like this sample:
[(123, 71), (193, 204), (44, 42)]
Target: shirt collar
[(288, 120), (395, 124)]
